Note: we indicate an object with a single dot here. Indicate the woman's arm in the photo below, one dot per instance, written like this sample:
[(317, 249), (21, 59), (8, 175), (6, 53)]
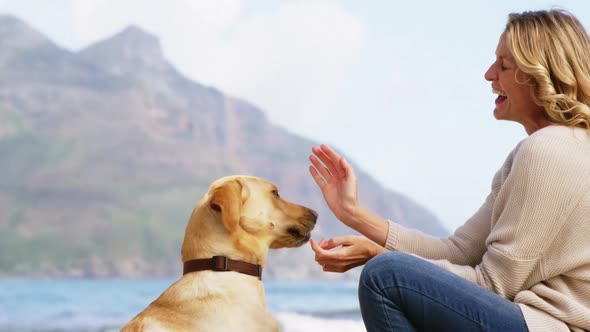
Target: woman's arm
[(338, 183)]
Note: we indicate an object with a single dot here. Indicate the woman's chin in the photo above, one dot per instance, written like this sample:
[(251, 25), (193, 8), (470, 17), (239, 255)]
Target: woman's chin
[(500, 113), (497, 114)]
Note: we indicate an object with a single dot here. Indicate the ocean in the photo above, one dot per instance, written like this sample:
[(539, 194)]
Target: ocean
[(88, 305)]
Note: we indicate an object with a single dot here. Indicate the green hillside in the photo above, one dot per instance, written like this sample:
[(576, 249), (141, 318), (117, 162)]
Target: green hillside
[(105, 152)]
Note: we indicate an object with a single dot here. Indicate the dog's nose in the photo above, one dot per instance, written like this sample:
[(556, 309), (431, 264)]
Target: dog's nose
[(314, 214)]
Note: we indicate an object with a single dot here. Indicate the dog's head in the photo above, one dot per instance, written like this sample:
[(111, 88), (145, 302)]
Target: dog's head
[(244, 216)]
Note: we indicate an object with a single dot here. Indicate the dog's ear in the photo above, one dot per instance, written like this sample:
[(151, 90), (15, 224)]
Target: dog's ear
[(227, 200)]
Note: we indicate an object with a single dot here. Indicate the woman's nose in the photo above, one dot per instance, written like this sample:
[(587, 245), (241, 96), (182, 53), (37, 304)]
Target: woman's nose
[(490, 74)]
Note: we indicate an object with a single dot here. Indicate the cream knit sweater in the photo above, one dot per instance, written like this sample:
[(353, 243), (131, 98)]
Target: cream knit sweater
[(530, 241)]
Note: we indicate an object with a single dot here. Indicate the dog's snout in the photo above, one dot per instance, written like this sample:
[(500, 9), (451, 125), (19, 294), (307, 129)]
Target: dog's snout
[(313, 213), (295, 232)]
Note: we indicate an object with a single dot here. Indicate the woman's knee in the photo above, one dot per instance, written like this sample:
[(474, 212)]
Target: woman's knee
[(387, 260), (388, 263)]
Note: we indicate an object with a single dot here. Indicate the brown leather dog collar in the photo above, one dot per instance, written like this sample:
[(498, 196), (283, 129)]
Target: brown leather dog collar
[(222, 263)]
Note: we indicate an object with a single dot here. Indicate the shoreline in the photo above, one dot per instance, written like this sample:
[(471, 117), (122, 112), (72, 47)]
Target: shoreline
[(103, 305)]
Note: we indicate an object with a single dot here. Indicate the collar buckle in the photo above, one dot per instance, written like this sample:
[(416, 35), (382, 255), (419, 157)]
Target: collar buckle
[(219, 263)]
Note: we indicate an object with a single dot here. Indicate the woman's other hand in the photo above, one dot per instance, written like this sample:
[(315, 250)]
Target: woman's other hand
[(337, 181), (343, 253)]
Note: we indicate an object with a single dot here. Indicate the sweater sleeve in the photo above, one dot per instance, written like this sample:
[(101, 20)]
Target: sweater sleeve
[(530, 209), (465, 246)]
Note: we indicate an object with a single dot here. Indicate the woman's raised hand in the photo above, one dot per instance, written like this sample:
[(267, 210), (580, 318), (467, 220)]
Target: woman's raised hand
[(337, 181)]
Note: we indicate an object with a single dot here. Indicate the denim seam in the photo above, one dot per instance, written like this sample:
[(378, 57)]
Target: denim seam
[(435, 300), (382, 298), (385, 311)]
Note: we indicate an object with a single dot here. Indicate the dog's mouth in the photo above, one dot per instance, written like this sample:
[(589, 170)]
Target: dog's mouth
[(296, 233), (292, 237)]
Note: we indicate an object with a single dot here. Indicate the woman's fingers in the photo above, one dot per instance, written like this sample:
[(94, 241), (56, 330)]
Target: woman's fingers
[(319, 254), (327, 164), (319, 251), (332, 243), (342, 253), (315, 246), (346, 168), (329, 152), (340, 164), (331, 164), (325, 173), (336, 260), (327, 256), (317, 178), (335, 159), (322, 256)]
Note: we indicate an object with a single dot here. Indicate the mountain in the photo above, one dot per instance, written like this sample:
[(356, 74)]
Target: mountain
[(104, 152)]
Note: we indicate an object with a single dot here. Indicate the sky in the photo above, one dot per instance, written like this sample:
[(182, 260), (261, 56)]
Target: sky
[(397, 86)]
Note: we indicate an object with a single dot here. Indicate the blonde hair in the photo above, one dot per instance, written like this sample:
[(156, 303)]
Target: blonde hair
[(553, 48)]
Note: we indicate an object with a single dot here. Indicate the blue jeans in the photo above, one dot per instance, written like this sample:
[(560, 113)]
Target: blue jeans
[(401, 292)]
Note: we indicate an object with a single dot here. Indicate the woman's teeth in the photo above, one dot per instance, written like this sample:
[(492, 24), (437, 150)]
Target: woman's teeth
[(498, 92)]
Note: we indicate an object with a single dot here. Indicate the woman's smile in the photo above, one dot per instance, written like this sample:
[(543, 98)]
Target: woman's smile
[(501, 96)]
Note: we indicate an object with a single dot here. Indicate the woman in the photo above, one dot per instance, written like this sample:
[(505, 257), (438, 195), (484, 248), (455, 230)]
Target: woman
[(522, 262)]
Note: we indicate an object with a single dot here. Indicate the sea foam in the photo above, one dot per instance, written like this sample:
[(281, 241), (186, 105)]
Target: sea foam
[(292, 322)]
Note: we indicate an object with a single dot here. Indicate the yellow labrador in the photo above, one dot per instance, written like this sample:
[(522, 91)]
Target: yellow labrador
[(237, 221)]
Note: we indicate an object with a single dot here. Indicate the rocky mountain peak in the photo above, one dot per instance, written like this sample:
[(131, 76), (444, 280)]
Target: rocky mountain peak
[(16, 35), (104, 153), (136, 41), (127, 51)]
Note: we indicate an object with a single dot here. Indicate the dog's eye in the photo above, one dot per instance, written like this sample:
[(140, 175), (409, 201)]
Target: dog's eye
[(276, 193)]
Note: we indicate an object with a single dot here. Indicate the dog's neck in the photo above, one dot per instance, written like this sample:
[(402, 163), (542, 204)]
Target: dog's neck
[(206, 238), (222, 264)]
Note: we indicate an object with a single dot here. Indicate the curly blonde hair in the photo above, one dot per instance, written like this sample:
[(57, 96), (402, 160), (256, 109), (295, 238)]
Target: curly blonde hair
[(553, 48)]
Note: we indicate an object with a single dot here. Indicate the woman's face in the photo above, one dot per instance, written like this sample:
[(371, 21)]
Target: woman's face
[(512, 86)]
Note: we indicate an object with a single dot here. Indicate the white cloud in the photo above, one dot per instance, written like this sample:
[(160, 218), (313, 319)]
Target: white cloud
[(170, 20), (403, 100), (290, 61), (215, 12)]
